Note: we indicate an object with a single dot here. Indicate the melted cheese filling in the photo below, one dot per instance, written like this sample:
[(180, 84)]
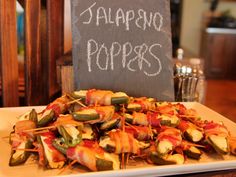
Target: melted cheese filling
[(173, 119), (140, 118), (87, 132), (164, 147), (73, 132), (87, 111), (196, 135), (119, 94), (81, 93), (133, 106), (19, 153), (48, 153)]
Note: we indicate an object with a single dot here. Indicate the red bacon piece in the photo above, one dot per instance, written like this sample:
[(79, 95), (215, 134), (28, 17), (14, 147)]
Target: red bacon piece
[(140, 133), (168, 109), (212, 128), (181, 109), (183, 125), (170, 134), (150, 118), (86, 153), (145, 104), (153, 119), (85, 156), (59, 106), (92, 145)]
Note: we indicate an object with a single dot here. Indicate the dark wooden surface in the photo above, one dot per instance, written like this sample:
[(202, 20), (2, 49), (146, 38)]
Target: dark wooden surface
[(221, 97), (219, 51), (44, 22), (44, 45), (8, 53), (55, 32), (35, 87)]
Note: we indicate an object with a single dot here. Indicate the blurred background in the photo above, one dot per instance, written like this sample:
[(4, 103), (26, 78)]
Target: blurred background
[(202, 29)]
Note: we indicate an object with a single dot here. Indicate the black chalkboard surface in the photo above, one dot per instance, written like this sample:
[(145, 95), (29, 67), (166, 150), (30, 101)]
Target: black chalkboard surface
[(123, 45)]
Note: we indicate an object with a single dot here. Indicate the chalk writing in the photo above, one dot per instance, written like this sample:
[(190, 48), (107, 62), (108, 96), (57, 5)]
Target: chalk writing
[(140, 18), (104, 56), (89, 10), (96, 53)]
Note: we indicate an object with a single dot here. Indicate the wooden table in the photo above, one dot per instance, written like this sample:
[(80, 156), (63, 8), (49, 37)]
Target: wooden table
[(221, 97)]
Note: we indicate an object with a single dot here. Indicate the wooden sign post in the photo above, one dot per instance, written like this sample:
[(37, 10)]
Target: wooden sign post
[(123, 45)]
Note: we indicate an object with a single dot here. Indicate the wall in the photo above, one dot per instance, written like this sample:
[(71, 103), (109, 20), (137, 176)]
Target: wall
[(191, 26)]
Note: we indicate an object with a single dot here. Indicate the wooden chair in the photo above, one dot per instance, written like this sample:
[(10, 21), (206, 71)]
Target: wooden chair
[(43, 45)]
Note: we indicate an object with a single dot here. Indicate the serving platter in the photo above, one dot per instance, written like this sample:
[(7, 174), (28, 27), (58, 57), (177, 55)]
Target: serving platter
[(213, 162)]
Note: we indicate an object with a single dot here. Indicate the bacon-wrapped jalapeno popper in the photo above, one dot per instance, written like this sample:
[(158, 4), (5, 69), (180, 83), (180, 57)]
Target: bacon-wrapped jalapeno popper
[(89, 154), (93, 115), (52, 111), (109, 127), (217, 136), (190, 131), (152, 118), (101, 97), (22, 140), (49, 156)]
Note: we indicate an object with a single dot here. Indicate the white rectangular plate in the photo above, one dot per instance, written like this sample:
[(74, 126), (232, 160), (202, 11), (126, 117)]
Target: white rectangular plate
[(207, 163)]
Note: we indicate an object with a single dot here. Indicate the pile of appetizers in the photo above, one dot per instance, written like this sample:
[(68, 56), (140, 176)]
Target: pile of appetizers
[(102, 130)]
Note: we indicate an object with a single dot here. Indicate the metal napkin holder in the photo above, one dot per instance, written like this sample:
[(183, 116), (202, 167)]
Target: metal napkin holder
[(187, 75)]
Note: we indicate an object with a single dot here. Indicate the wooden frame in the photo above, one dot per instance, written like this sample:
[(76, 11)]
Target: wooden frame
[(43, 46), (8, 53)]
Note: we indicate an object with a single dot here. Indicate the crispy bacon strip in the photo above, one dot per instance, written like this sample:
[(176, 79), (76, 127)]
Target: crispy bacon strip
[(211, 128), (170, 134), (168, 109), (101, 97), (125, 142), (151, 118), (59, 106), (23, 125), (106, 113), (86, 154), (184, 125), (140, 133), (66, 120), (191, 113), (145, 104), (180, 108)]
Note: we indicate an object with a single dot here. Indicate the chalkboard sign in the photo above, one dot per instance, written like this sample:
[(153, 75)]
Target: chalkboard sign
[(123, 45)]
